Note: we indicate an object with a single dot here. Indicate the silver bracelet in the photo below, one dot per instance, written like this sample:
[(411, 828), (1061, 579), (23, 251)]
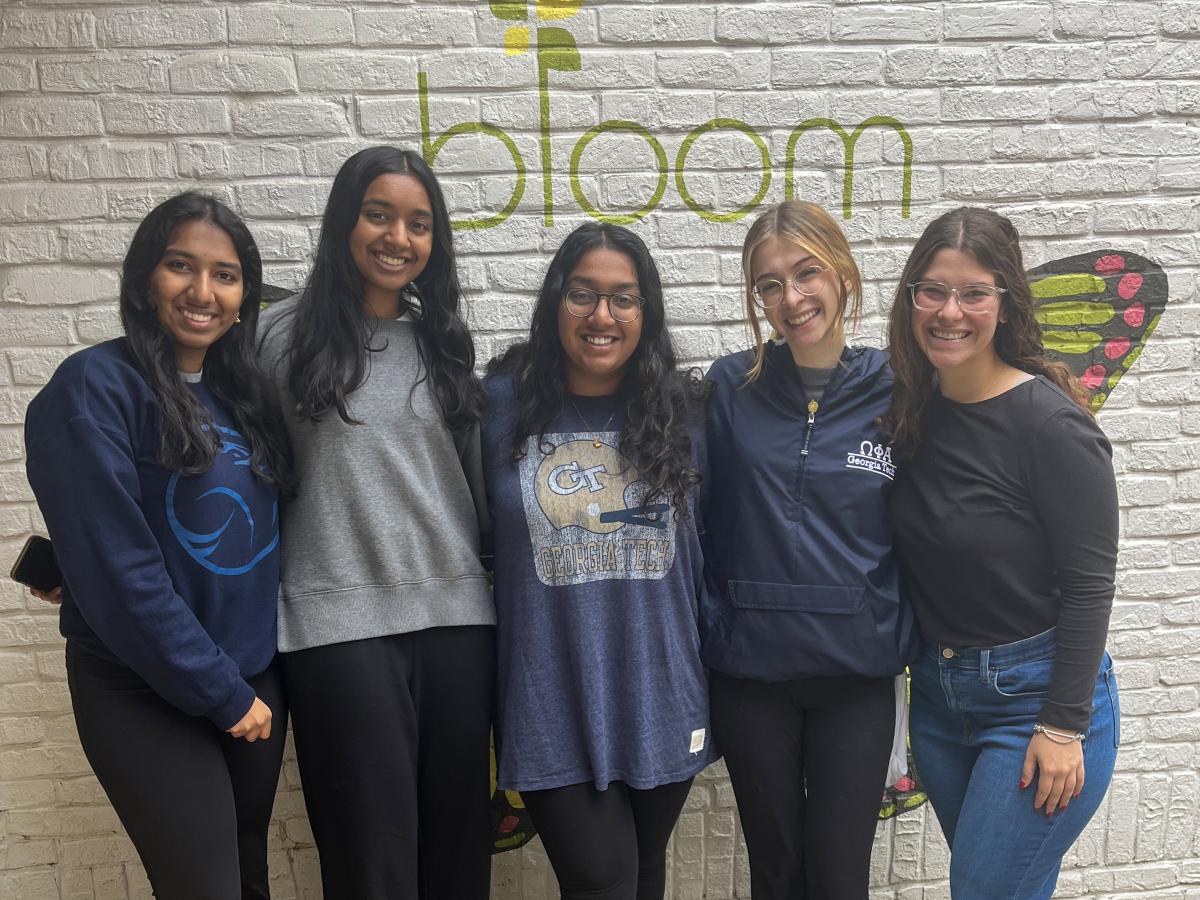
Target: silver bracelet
[(1059, 737)]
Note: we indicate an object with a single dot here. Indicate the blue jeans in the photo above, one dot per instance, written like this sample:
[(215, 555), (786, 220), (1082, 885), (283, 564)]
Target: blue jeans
[(972, 718)]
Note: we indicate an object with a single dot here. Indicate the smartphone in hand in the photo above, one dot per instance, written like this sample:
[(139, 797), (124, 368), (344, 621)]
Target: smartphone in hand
[(36, 566)]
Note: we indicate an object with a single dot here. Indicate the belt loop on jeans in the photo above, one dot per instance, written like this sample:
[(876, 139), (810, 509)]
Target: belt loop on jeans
[(985, 656)]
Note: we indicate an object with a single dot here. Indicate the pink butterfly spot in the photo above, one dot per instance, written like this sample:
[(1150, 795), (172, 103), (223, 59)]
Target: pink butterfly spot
[(1110, 265), (1116, 348), (1135, 314), (1093, 377), (1130, 284), (508, 823), (905, 784)]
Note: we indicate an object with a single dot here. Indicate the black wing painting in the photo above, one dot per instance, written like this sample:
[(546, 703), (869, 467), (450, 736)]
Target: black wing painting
[(1097, 311), (512, 826)]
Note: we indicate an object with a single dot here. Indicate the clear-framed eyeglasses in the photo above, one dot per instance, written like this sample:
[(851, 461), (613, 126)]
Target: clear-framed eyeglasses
[(582, 302), (769, 292), (971, 297)]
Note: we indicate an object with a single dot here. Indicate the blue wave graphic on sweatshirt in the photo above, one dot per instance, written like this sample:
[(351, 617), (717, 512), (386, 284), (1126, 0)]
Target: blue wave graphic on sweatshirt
[(225, 537)]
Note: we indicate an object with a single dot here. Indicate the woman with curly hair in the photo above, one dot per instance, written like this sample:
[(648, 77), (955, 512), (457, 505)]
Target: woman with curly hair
[(806, 627), (1005, 516), (591, 453)]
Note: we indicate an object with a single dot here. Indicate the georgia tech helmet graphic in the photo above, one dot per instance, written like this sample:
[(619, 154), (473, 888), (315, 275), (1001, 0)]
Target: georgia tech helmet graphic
[(594, 488)]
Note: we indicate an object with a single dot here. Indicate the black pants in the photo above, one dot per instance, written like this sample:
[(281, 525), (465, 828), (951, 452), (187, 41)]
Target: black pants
[(808, 760), (392, 740), (195, 801), (610, 844)]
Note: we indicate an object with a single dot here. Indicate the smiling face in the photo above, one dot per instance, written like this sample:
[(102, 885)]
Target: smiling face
[(597, 349), (811, 325), (196, 289), (392, 240), (958, 343)]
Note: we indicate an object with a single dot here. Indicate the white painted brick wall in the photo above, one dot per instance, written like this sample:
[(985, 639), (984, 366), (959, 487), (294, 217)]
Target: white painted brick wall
[(1077, 118)]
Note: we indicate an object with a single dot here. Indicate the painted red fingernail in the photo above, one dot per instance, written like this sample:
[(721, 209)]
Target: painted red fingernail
[(1023, 784)]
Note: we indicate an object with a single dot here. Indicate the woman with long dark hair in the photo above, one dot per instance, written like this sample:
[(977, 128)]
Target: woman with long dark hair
[(806, 628), (157, 460), (1005, 517), (593, 446), (385, 617)]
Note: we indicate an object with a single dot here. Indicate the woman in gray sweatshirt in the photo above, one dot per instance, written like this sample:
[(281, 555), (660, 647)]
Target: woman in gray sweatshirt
[(385, 616)]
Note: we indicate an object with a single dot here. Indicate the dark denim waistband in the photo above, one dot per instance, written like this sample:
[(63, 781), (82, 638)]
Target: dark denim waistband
[(1040, 646)]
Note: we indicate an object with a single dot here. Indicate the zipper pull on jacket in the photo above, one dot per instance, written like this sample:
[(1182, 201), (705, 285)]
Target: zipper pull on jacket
[(813, 406)]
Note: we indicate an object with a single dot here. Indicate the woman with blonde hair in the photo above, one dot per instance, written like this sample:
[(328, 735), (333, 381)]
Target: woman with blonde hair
[(805, 628)]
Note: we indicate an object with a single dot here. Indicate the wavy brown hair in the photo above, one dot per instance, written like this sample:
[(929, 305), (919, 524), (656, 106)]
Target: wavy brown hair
[(995, 244), (809, 227)]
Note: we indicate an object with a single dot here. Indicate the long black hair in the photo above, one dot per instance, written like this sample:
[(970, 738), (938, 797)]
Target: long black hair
[(231, 371), (327, 358), (660, 402)]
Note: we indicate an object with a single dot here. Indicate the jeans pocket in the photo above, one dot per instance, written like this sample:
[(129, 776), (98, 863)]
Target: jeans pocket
[(1028, 679)]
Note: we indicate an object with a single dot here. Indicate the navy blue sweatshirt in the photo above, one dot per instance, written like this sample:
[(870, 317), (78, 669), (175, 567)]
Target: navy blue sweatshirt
[(174, 576), (801, 576)]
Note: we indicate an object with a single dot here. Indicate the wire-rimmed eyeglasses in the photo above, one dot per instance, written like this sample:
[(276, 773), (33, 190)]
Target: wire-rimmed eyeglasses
[(769, 292)]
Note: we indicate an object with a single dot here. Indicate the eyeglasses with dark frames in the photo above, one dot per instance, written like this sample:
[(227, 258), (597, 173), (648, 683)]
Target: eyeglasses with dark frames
[(582, 302)]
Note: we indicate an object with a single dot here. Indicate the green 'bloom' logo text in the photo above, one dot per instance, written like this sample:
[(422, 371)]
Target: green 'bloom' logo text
[(554, 49)]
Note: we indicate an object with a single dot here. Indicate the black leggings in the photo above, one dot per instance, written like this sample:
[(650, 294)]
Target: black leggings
[(195, 801), (610, 844), (392, 740), (808, 760)]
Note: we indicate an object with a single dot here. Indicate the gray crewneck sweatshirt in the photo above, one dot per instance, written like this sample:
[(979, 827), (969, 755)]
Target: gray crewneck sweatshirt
[(383, 535)]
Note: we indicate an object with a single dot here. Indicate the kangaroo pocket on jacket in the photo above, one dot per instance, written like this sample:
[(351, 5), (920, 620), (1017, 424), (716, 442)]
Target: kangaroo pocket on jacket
[(778, 632), (817, 598)]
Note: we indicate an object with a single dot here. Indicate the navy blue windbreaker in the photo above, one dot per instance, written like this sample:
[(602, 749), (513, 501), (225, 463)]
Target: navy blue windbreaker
[(801, 577)]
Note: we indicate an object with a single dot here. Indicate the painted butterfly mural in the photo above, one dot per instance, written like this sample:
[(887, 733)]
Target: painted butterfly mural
[(512, 826), (1097, 311)]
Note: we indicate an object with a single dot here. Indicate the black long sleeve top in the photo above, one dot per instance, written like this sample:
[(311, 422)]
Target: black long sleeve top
[(1005, 519)]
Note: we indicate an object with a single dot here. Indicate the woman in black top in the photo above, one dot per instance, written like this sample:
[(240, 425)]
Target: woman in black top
[(1005, 516)]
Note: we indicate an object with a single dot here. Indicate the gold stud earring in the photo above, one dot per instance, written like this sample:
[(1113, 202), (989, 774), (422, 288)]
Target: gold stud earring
[(237, 320)]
